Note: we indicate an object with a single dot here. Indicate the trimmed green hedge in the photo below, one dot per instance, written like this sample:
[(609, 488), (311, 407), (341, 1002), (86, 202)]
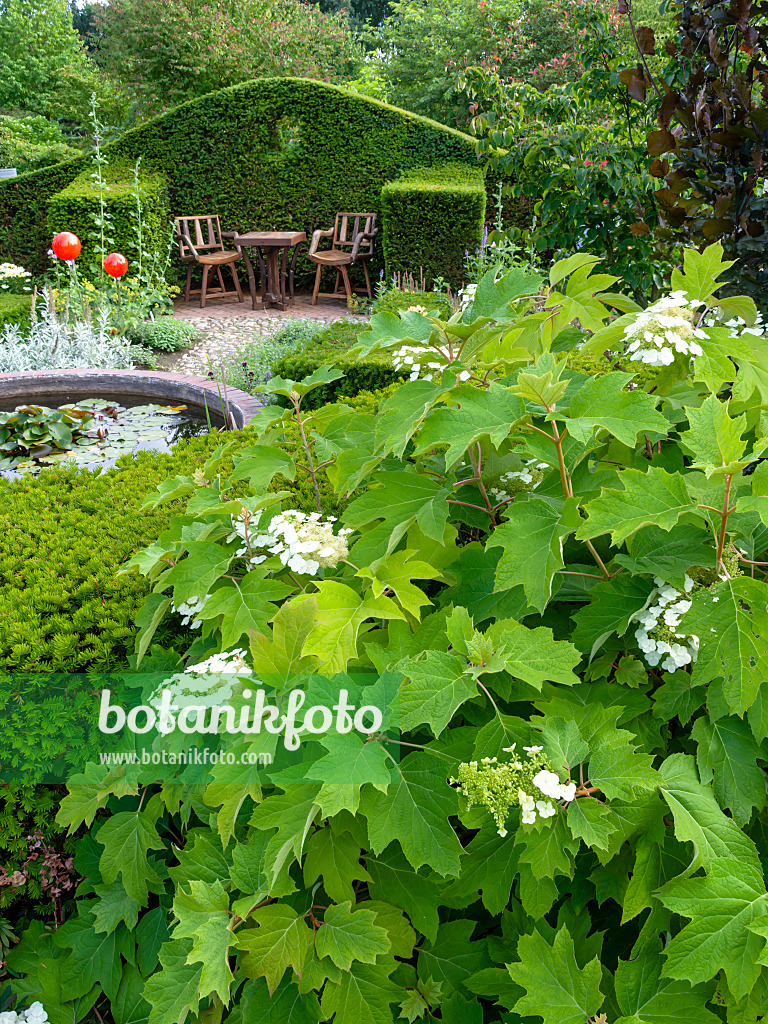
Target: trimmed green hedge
[(272, 153), (77, 206), (431, 215), (331, 346), (15, 309)]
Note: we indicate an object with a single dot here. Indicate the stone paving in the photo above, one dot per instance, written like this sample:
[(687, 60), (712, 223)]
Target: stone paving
[(226, 327)]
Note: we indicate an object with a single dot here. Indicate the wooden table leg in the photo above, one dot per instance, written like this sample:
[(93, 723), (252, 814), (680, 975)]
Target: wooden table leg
[(255, 304)]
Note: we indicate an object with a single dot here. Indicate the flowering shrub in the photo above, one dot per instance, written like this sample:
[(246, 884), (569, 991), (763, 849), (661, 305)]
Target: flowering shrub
[(614, 870), (34, 1014)]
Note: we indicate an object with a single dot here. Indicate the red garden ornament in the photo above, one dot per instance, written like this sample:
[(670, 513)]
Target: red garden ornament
[(115, 264), (66, 245)]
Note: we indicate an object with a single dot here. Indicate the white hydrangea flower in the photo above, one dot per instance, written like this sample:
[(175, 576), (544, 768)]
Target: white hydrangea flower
[(667, 606), (303, 542), (664, 328), (34, 1014), (189, 610)]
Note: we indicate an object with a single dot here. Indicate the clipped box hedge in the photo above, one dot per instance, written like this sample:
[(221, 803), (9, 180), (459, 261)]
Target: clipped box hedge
[(15, 310), (76, 207), (267, 154), (331, 346), (431, 215)]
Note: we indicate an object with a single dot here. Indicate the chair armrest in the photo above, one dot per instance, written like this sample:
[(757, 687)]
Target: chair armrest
[(181, 236), (364, 236), (229, 234), (316, 236)]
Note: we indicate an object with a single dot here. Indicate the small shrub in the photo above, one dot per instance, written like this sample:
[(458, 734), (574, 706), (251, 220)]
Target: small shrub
[(252, 365), (331, 345), (165, 334), (395, 301), (15, 310)]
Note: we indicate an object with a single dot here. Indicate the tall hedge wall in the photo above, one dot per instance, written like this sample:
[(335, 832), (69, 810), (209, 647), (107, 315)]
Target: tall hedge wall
[(77, 205), (272, 153), (431, 215)]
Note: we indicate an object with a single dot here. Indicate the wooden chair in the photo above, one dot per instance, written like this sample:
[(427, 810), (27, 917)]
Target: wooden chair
[(353, 235), (208, 250)]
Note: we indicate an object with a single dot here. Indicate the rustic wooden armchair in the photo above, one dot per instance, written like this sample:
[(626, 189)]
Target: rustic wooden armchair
[(353, 235), (200, 241)]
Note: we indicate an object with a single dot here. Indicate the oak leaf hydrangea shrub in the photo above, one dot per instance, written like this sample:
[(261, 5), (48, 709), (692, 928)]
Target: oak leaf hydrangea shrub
[(561, 827)]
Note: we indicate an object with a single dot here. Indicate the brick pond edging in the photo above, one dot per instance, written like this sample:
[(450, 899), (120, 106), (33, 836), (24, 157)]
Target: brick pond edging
[(46, 387)]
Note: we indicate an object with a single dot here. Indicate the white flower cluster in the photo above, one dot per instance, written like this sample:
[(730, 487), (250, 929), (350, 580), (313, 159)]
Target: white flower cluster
[(188, 610), (550, 785), (739, 326), (467, 296), (207, 684), (421, 362), (663, 329), (35, 1014), (666, 607), (227, 661), (525, 479), (302, 541), (10, 272)]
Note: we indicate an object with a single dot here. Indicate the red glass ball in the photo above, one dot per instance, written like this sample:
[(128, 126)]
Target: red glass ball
[(66, 245), (115, 264)]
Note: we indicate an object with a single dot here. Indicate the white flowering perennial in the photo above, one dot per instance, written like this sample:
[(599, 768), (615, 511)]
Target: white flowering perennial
[(663, 329), (422, 362), (11, 275), (304, 542), (34, 1014), (658, 635), (526, 479), (528, 783)]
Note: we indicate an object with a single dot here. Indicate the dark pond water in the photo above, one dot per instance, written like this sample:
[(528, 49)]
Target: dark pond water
[(116, 429)]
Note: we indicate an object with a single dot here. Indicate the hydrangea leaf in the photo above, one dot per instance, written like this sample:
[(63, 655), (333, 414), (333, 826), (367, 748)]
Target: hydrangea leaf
[(325, 374), (287, 1005), (94, 956), (645, 997), (279, 656), (476, 414), (668, 555), (487, 867), (351, 759), (548, 847), (532, 538), (127, 838), (721, 906), (590, 820), (113, 906), (244, 606), (393, 879), (533, 655), (194, 575), (474, 572), (620, 771), (129, 1005), (403, 413), (603, 402), (340, 613), (612, 604), (438, 684), (731, 622), (280, 941), (172, 992), (401, 499), (556, 988), (715, 366), (364, 993), (203, 916), (654, 497), (415, 812), (259, 463), (151, 933), (346, 936), (454, 956), (715, 439), (291, 814), (700, 273), (337, 860), (396, 572), (698, 818), (728, 752), (757, 501)]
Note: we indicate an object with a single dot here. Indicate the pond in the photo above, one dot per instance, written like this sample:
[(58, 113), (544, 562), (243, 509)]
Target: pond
[(92, 433)]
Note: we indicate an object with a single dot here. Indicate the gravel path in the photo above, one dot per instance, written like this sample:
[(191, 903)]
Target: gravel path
[(220, 337)]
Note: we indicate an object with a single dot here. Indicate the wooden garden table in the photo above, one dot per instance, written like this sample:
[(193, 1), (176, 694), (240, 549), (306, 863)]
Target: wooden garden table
[(272, 249)]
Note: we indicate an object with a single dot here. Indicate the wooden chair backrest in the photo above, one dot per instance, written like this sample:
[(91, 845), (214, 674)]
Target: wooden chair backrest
[(203, 231), (348, 226)]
